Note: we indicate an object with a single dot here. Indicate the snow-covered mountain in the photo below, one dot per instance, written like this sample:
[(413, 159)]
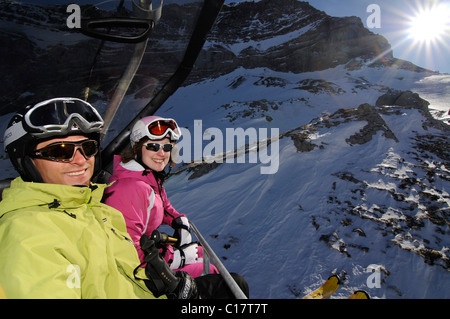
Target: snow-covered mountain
[(358, 183), (361, 156), (289, 36), (363, 180)]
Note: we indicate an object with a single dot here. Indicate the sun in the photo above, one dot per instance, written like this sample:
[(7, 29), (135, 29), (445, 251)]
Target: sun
[(430, 24)]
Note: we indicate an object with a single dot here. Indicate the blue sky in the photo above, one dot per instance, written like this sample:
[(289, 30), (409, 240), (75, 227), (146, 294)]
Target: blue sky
[(394, 18)]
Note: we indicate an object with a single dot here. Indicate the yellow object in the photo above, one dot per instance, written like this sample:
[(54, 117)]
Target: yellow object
[(360, 294), (326, 290), (2, 293)]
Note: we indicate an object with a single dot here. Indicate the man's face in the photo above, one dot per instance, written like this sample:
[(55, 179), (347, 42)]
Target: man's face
[(76, 172)]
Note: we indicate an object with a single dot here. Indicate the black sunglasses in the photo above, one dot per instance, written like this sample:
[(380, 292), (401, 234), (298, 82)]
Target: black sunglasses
[(65, 151), (154, 147)]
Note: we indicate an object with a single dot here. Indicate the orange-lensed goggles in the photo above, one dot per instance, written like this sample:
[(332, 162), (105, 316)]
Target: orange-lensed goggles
[(159, 128)]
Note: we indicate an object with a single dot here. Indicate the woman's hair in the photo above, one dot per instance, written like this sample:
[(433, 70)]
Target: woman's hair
[(131, 152)]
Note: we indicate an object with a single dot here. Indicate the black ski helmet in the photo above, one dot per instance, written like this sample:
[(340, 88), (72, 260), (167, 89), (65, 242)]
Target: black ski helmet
[(57, 117)]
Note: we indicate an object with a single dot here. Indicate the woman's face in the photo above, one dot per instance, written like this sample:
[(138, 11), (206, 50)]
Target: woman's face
[(157, 161)]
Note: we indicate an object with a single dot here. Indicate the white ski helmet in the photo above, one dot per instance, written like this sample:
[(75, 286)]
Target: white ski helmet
[(155, 128)]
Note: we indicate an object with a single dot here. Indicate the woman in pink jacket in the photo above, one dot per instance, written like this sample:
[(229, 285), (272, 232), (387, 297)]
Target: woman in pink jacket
[(137, 191)]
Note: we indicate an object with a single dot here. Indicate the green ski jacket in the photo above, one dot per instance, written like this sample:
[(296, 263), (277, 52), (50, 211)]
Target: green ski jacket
[(59, 241)]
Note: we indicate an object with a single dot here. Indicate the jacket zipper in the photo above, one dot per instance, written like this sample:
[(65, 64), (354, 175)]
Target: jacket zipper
[(122, 270), (122, 236)]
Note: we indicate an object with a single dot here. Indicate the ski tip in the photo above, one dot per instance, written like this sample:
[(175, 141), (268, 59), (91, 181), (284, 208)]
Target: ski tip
[(328, 288), (338, 277), (359, 294)]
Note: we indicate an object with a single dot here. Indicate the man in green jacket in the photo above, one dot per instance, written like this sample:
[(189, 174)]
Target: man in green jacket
[(57, 239)]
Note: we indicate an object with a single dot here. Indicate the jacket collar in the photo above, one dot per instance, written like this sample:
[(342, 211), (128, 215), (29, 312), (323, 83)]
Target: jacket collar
[(27, 194), (132, 169), (132, 166)]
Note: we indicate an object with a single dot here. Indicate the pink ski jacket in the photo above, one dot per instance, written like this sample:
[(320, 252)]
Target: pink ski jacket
[(141, 199), (143, 202)]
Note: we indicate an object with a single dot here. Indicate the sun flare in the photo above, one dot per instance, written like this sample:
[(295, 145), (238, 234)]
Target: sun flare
[(430, 24)]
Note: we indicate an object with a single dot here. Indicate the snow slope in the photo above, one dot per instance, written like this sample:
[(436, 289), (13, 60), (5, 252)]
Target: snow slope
[(335, 208), (332, 207)]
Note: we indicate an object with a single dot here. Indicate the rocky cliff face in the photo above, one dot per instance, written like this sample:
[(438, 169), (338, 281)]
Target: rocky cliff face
[(286, 36), (283, 35)]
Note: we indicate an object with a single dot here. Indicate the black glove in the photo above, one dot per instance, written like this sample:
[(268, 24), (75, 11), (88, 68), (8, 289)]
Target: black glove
[(161, 279), (186, 289), (182, 231)]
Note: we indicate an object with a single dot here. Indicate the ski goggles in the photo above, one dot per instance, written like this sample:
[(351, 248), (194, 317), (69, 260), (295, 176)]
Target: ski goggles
[(155, 147), (159, 128), (61, 115), (65, 151)]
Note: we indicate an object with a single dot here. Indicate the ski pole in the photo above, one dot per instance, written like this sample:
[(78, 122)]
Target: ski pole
[(236, 290), (162, 238)]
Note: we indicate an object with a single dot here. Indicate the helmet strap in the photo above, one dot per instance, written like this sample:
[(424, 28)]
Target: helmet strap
[(30, 173)]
